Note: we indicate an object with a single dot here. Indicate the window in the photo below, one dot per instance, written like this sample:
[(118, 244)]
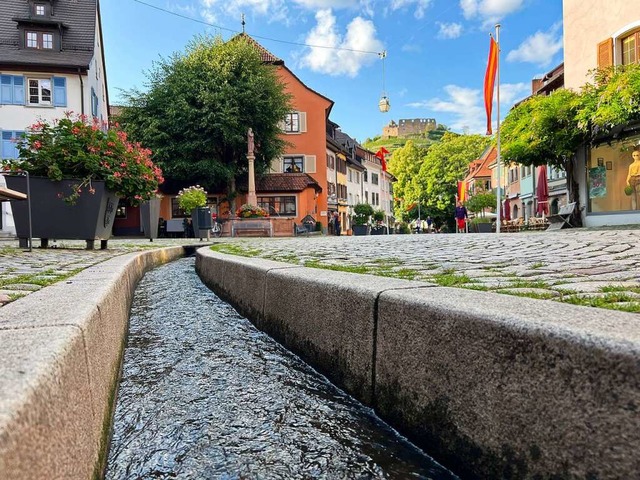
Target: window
[(39, 40), (351, 175), (292, 122), (121, 210), (39, 10), (94, 103), (364, 176), (331, 162), (279, 205), (610, 168), (10, 141), (631, 48), (374, 178), (293, 164), (39, 91), (176, 211), (11, 90)]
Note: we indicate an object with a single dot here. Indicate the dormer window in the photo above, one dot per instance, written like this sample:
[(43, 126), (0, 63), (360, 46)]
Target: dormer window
[(39, 40), (39, 10)]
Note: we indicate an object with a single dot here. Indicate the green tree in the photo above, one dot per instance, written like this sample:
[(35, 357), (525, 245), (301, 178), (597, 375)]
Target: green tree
[(612, 100), (478, 203), (405, 164), (199, 106), (544, 131), (444, 164)]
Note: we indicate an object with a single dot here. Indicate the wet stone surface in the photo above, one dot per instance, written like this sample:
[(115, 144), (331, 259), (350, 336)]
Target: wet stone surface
[(206, 395)]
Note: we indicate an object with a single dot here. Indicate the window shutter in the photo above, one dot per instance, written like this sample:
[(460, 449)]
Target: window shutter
[(303, 122), (60, 91), (18, 91), (6, 89), (276, 165), (605, 53), (309, 164), (8, 147)]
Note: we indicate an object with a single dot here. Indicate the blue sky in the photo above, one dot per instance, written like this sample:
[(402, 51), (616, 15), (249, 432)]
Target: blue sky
[(436, 50)]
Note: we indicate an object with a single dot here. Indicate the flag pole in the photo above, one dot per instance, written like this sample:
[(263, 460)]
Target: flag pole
[(499, 200)]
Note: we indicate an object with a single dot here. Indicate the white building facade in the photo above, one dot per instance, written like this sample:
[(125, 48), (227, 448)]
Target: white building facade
[(51, 62)]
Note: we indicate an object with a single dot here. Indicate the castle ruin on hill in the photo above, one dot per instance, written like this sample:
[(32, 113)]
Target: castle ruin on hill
[(406, 127)]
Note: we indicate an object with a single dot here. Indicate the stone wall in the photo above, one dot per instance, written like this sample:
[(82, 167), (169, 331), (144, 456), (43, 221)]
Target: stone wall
[(60, 359), (492, 386)]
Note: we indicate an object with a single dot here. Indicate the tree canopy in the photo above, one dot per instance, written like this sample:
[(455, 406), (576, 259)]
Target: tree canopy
[(198, 107), (429, 176)]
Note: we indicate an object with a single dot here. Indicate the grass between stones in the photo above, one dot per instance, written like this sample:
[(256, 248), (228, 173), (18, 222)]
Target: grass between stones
[(615, 298), (43, 279)]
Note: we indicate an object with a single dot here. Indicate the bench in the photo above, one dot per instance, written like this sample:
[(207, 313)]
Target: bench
[(252, 226), (562, 218), (175, 227), (299, 230)]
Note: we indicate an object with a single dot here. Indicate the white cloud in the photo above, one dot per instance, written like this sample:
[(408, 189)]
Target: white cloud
[(420, 6), (511, 93), (449, 30), (539, 48), (489, 10), (360, 35), (412, 48), (465, 106)]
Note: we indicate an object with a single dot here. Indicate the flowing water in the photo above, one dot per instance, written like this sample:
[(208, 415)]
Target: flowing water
[(204, 395)]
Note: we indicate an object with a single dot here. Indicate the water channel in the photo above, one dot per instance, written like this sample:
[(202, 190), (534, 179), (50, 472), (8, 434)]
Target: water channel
[(204, 395)]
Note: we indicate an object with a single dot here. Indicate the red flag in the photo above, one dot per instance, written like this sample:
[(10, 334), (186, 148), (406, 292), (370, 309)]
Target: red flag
[(489, 81), (380, 154)]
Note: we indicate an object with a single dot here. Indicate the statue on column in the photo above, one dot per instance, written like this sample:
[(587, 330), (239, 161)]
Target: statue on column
[(250, 142)]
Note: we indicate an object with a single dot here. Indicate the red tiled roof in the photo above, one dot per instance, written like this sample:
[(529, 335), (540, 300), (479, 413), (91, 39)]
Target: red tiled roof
[(286, 182), (265, 55), (480, 167)]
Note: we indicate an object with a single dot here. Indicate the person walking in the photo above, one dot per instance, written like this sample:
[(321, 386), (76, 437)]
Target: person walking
[(336, 224), (461, 217), (429, 224)]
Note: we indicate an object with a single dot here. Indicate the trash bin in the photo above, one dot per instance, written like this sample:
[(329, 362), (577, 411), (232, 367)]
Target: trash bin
[(204, 218)]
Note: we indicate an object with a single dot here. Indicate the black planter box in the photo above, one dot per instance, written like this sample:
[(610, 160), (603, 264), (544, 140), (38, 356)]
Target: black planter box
[(360, 230), (90, 218)]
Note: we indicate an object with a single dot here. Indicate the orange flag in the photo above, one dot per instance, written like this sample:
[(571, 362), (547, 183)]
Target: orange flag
[(489, 81), (462, 191)]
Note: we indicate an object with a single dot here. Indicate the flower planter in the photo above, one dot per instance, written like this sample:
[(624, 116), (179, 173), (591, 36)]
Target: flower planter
[(90, 218), (379, 231), (360, 230), (150, 215), (483, 227)]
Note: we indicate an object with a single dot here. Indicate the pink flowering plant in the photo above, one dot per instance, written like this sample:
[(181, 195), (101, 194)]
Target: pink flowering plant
[(73, 147), (251, 211)]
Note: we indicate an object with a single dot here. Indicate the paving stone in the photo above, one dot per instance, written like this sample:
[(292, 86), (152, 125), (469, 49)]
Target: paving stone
[(29, 287), (535, 291), (589, 287)]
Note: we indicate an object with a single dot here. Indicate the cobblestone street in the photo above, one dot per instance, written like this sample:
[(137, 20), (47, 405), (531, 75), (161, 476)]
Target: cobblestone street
[(587, 267)]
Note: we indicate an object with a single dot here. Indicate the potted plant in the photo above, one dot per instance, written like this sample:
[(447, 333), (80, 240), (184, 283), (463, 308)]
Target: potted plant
[(251, 211), (194, 201), (77, 170), (361, 214), (481, 224), (378, 227)]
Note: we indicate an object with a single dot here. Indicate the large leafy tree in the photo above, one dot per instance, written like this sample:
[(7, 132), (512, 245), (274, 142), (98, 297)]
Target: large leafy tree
[(446, 162), (198, 107), (544, 130), (428, 177), (549, 130), (611, 101), (405, 164)]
